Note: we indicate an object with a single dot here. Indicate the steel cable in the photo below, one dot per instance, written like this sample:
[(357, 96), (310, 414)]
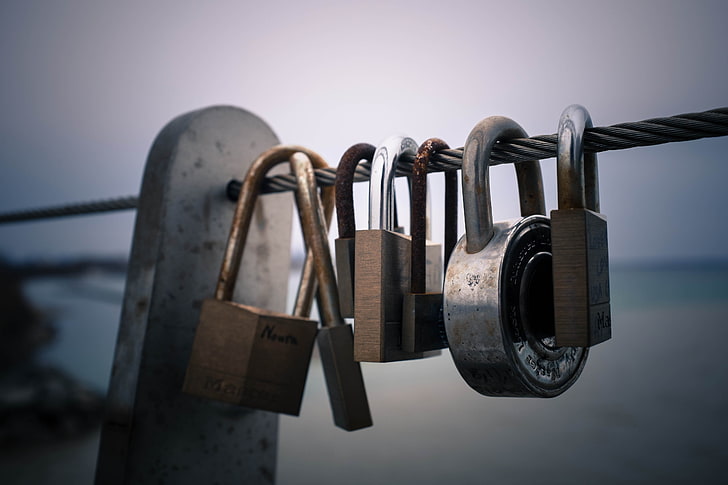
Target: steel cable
[(106, 205), (655, 131)]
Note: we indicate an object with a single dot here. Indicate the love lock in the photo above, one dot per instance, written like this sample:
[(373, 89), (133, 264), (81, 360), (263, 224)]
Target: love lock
[(581, 256), (242, 354), (382, 258), (498, 293), (344, 380)]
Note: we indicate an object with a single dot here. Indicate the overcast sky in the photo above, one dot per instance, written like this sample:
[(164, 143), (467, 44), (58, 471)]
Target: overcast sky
[(87, 85)]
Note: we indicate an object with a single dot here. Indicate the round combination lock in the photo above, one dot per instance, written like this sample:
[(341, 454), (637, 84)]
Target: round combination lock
[(498, 293)]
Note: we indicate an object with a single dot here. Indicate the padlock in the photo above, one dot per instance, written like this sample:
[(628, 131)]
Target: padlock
[(242, 354), (498, 306), (344, 380), (344, 244), (579, 239), (382, 260), (422, 323)]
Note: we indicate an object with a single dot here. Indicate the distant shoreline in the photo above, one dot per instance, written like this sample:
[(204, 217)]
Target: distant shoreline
[(119, 264), (674, 264), (43, 268)]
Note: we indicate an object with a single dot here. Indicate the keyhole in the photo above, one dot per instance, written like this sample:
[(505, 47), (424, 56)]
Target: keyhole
[(537, 299)]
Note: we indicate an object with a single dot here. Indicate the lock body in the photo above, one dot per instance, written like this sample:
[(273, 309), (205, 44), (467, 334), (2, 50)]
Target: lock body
[(422, 322), (581, 277), (251, 357), (498, 314), (344, 380), (382, 278)]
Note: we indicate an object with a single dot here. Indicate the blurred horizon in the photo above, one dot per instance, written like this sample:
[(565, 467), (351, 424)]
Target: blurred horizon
[(648, 407), (41, 266)]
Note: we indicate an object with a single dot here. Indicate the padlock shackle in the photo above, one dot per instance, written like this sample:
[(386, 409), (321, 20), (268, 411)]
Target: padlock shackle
[(307, 284), (344, 186), (577, 173), (381, 182), (244, 209), (418, 213), (428, 209), (315, 234), (451, 213), (476, 184)]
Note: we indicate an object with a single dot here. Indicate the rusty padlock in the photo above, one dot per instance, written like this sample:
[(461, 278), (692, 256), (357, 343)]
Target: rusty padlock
[(344, 244), (344, 380), (382, 265), (422, 323), (579, 239), (241, 354), (498, 305)]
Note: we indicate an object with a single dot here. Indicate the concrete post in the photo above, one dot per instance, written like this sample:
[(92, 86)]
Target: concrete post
[(153, 433)]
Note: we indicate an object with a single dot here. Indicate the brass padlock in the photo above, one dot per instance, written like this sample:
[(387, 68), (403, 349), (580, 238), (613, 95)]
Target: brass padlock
[(242, 354), (344, 380), (580, 251), (422, 323), (498, 305), (344, 244), (382, 262)]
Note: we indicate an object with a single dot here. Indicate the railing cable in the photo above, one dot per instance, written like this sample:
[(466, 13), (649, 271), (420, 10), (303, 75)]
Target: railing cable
[(655, 131)]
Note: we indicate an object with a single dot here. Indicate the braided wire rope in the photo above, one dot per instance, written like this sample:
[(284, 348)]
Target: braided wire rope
[(655, 131), (106, 205)]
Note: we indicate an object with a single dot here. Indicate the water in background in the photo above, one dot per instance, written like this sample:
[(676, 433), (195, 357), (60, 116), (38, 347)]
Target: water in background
[(649, 407)]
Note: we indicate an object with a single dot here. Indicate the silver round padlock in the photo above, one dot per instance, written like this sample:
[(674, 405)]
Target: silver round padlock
[(498, 290)]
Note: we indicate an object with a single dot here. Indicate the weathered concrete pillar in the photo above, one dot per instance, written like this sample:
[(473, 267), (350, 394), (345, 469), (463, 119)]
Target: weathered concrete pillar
[(153, 433)]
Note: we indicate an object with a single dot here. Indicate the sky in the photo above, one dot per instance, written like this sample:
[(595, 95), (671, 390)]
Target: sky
[(87, 85)]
